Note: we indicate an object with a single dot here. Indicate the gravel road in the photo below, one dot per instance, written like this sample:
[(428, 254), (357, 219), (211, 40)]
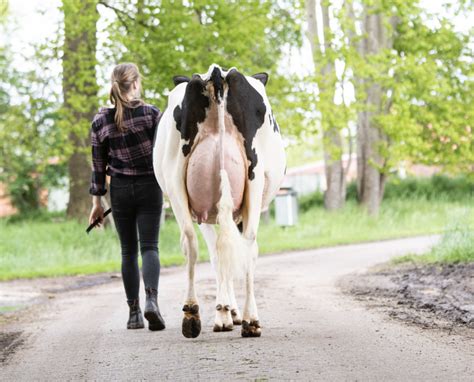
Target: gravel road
[(310, 330)]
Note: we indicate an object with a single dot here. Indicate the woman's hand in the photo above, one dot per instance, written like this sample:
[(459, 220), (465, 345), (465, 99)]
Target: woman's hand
[(97, 212)]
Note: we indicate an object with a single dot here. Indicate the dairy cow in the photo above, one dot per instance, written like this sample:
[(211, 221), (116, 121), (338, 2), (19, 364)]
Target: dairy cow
[(219, 157)]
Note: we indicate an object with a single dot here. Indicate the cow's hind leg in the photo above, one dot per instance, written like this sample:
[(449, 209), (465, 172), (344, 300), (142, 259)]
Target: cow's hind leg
[(251, 220), (191, 326), (250, 323)]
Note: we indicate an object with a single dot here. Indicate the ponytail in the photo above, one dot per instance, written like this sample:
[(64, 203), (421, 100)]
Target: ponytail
[(123, 76), (120, 104)]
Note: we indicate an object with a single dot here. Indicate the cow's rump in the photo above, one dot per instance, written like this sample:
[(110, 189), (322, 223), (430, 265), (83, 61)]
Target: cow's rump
[(203, 180)]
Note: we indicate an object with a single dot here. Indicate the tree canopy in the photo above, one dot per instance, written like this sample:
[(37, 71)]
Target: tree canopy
[(409, 88), (412, 87), (168, 38)]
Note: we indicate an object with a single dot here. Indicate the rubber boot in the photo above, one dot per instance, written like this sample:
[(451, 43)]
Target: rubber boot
[(152, 312), (135, 321)]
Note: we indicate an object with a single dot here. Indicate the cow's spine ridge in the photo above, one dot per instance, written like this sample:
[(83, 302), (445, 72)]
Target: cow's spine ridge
[(231, 261)]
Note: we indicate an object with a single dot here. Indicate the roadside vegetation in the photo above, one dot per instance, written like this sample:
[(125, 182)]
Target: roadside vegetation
[(456, 246), (409, 103), (50, 245)]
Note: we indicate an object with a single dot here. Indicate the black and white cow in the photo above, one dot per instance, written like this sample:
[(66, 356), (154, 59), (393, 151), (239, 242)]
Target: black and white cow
[(219, 156)]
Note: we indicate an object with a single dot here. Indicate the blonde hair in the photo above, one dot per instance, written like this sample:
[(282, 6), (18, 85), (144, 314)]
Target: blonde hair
[(123, 77)]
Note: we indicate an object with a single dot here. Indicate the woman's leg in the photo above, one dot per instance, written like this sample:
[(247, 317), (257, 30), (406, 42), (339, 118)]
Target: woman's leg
[(127, 230), (149, 207), (126, 224)]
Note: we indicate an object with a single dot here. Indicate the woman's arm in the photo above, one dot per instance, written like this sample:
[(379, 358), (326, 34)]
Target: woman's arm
[(156, 119), (97, 210), (99, 166), (96, 200)]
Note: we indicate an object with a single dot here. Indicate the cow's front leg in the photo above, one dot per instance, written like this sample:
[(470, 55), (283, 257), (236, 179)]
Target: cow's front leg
[(223, 321), (227, 310), (224, 304), (234, 308)]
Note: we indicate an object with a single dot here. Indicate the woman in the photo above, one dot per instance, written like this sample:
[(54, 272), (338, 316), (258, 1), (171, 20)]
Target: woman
[(122, 144)]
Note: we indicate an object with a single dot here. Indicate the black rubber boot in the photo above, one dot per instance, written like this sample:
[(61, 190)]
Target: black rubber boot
[(135, 321), (152, 312)]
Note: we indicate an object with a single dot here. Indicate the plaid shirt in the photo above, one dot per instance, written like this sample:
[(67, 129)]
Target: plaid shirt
[(115, 153)]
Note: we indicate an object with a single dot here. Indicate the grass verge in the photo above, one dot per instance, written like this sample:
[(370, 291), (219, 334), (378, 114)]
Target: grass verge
[(456, 246), (55, 246)]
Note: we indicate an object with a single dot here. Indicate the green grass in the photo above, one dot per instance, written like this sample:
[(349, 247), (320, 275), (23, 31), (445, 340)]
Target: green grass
[(53, 246), (456, 246), (10, 308)]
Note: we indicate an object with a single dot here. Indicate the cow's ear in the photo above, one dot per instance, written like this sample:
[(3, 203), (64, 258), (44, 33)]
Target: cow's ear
[(180, 79), (262, 77)]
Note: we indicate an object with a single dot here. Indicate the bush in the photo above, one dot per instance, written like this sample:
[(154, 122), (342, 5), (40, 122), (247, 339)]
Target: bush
[(455, 246), (35, 216), (351, 191), (438, 187), (309, 201)]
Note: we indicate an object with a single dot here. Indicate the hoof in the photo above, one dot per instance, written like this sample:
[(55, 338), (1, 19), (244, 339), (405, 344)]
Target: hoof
[(236, 320), (223, 328), (251, 329), (191, 326)]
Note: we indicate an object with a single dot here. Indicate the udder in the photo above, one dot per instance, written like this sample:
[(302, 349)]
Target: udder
[(202, 176)]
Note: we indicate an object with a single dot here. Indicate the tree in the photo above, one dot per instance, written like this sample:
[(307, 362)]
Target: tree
[(168, 38), (331, 123), (435, 102), (4, 61), (371, 177), (29, 137), (415, 86), (30, 141), (80, 96), (412, 86), (4, 65)]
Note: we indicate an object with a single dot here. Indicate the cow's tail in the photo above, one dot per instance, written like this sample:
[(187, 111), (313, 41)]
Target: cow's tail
[(230, 246), (231, 251)]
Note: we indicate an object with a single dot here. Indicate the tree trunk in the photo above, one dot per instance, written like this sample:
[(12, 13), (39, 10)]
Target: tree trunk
[(80, 97), (335, 194), (370, 163)]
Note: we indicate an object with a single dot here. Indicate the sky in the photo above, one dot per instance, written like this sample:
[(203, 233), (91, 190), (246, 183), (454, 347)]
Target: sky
[(35, 21)]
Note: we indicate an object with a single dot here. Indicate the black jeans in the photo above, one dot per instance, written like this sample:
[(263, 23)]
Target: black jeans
[(137, 202)]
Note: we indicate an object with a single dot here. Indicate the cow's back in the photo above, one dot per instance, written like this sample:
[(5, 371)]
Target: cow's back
[(187, 145)]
